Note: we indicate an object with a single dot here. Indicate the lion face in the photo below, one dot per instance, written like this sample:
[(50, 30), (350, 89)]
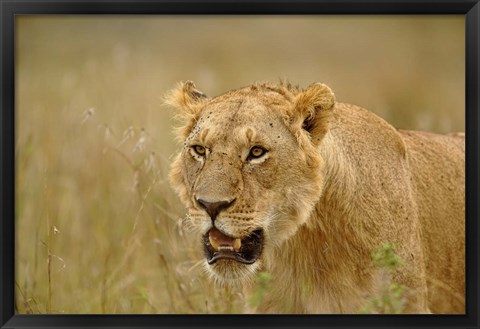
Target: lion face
[(249, 172)]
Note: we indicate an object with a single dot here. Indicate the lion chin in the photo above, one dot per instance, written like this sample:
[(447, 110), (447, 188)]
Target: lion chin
[(230, 272), (288, 181)]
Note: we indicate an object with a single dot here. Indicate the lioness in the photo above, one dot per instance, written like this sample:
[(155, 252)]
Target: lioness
[(287, 181)]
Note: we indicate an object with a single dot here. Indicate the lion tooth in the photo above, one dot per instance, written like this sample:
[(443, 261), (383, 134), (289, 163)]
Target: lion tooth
[(237, 243), (220, 241), (213, 242)]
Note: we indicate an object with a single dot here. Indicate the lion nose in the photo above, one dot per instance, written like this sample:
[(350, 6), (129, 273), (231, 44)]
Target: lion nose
[(214, 208)]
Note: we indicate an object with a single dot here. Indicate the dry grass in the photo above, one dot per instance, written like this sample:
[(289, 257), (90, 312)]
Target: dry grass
[(97, 224)]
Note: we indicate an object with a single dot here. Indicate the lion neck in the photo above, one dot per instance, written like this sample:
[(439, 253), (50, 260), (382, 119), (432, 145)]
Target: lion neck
[(329, 243)]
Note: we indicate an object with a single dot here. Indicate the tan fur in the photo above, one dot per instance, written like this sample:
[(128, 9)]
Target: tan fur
[(336, 183)]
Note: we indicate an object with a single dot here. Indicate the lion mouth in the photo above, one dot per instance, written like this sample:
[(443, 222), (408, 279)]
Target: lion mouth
[(220, 246)]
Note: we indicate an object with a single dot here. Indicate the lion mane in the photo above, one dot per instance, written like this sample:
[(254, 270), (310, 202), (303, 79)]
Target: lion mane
[(286, 180)]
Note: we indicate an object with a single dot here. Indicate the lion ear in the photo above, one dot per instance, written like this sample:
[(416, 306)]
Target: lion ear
[(186, 98), (312, 110)]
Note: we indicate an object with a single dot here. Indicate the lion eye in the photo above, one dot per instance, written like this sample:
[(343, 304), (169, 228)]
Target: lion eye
[(256, 152), (200, 150)]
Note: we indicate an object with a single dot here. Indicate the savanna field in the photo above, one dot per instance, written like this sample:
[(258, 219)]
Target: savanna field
[(98, 228)]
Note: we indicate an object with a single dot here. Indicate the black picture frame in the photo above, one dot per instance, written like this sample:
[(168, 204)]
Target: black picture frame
[(9, 9)]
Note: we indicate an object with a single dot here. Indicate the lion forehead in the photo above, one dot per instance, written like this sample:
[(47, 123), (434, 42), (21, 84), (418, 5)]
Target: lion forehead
[(241, 123)]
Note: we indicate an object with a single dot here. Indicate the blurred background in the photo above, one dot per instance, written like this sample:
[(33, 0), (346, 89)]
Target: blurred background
[(96, 220)]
